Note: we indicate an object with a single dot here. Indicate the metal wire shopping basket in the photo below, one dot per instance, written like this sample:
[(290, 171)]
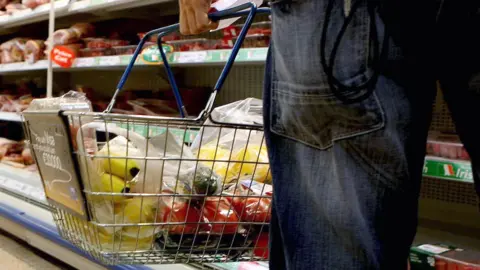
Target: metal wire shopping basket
[(147, 193)]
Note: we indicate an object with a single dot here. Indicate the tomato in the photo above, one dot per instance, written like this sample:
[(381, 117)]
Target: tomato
[(261, 247), (182, 212), (220, 210), (254, 209), (251, 209)]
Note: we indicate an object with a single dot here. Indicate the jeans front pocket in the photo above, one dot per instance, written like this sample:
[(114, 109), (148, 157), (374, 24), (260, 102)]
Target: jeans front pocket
[(314, 116)]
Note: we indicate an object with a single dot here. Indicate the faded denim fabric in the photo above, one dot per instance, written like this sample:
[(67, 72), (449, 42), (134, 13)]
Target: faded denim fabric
[(346, 177)]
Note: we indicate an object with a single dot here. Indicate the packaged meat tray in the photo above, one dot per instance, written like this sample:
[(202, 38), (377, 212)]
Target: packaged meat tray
[(263, 28), (251, 41), (122, 50), (98, 43), (446, 146), (458, 259), (199, 44), (96, 52), (443, 257)]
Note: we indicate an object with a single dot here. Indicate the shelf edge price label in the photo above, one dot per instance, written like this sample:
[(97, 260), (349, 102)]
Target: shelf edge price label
[(85, 62), (63, 56), (192, 57), (109, 60)]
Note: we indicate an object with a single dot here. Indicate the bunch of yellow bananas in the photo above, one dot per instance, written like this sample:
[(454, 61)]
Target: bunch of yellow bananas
[(251, 160)]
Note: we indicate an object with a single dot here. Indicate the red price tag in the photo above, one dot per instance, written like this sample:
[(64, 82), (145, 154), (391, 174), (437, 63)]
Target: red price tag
[(63, 56)]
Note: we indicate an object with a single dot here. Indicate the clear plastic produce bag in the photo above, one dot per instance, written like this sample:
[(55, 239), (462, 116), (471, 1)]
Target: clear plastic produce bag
[(235, 153)]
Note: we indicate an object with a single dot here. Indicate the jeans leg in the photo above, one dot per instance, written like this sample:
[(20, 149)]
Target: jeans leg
[(459, 72), (346, 177)]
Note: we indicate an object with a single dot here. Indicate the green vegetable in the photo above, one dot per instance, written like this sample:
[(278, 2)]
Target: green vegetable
[(205, 181)]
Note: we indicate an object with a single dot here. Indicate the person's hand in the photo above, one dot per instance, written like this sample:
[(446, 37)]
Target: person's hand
[(194, 17)]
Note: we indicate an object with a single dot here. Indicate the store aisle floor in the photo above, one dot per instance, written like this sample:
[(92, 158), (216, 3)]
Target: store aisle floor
[(18, 255)]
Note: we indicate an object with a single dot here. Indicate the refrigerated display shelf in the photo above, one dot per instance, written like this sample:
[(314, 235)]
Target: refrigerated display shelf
[(194, 58), (23, 183), (35, 226), (455, 170), (70, 7), (28, 16)]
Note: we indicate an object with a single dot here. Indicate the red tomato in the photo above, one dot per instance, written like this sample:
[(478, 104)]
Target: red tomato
[(261, 247), (220, 210), (251, 209), (182, 212), (255, 210)]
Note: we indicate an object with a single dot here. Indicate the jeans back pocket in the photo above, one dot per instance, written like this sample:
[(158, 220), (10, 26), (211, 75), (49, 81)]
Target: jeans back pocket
[(304, 114)]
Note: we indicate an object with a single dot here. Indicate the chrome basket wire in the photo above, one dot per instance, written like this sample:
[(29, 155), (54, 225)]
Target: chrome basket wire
[(139, 221)]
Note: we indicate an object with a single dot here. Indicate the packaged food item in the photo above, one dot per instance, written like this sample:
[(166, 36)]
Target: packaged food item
[(118, 42), (96, 52), (178, 210), (256, 41), (14, 7), (251, 200), (34, 3), (96, 43), (210, 226), (100, 43), (13, 50), (4, 3), (443, 257), (260, 28), (220, 216), (446, 146), (73, 34), (235, 153), (199, 44), (34, 50), (83, 30), (124, 50), (65, 36), (256, 28)]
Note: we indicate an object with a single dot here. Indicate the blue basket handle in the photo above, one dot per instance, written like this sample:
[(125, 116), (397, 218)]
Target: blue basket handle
[(247, 9)]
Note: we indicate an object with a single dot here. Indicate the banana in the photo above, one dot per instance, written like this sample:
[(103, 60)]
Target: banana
[(121, 167), (114, 184), (252, 153)]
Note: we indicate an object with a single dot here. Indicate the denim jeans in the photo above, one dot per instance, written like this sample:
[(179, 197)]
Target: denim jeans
[(347, 176)]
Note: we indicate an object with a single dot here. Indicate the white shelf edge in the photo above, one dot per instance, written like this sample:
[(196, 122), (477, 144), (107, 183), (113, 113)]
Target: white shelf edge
[(11, 116), (24, 183), (118, 61)]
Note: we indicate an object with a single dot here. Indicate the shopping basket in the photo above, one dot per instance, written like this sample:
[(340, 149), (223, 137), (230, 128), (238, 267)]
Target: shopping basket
[(130, 189)]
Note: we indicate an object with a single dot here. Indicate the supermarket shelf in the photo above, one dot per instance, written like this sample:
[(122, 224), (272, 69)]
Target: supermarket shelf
[(109, 5), (36, 226), (70, 7), (455, 170), (11, 116), (197, 58), (29, 16), (23, 183)]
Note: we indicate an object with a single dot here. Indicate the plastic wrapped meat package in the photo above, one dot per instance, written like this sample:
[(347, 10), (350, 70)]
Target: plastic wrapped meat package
[(34, 3), (73, 34), (34, 51), (446, 146), (13, 50), (12, 8), (199, 44)]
